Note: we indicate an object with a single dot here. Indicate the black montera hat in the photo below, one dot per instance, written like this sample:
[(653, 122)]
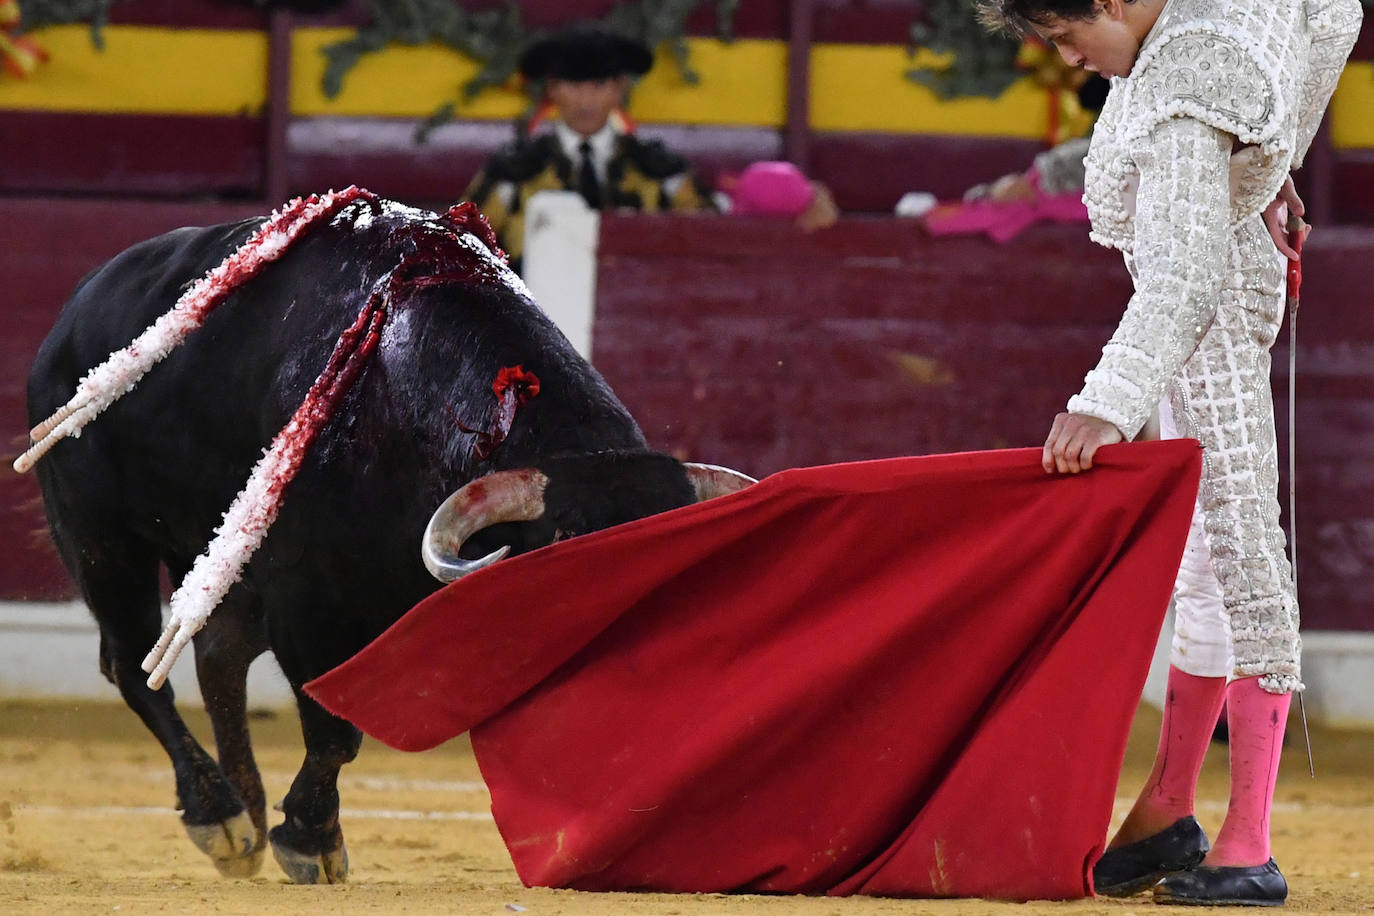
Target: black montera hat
[(585, 52)]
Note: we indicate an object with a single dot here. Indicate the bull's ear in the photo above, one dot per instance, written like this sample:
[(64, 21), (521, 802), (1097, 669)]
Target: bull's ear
[(710, 480)]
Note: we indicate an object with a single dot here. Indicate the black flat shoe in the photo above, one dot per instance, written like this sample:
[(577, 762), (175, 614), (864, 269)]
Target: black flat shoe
[(1225, 885), (1129, 870)]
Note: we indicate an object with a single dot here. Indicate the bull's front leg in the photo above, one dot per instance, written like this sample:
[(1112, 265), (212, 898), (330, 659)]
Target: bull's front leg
[(309, 843)]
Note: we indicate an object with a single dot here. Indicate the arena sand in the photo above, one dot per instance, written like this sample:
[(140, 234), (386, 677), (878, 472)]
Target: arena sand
[(86, 826)]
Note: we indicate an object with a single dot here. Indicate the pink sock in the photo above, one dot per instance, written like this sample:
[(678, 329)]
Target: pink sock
[(1256, 720), (1191, 705)]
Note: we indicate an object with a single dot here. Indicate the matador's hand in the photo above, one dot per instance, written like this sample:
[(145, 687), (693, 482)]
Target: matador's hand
[(1073, 440), (1276, 217)]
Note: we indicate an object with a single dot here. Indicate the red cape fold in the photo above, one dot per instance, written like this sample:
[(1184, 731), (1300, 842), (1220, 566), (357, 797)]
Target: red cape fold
[(908, 677)]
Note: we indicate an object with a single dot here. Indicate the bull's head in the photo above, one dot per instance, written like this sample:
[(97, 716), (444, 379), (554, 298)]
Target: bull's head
[(565, 497)]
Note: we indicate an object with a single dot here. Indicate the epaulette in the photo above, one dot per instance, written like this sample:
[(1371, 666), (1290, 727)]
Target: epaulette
[(1201, 70), (522, 160), (652, 158)]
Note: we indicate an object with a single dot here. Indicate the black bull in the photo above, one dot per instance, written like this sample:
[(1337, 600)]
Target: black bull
[(147, 482)]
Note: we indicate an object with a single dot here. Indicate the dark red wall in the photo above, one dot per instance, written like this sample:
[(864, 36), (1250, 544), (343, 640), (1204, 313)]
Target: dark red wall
[(751, 344), (46, 246)]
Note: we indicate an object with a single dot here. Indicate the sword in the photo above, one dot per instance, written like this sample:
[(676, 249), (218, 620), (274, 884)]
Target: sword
[(1296, 229)]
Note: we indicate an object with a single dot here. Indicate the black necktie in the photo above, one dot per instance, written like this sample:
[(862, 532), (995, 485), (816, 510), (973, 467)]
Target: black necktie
[(587, 184)]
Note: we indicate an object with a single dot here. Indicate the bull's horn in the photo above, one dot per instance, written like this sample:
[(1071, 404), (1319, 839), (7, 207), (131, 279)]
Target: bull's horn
[(505, 496), (711, 480)]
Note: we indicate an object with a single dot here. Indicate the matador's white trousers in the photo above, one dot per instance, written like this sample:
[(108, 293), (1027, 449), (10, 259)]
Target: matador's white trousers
[(1202, 628), (1236, 609)]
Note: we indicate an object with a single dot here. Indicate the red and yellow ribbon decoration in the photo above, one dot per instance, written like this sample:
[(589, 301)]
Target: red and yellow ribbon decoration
[(547, 111), (1066, 117), (19, 55)]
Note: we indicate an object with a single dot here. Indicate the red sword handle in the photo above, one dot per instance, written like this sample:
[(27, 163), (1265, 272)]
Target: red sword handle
[(1297, 231)]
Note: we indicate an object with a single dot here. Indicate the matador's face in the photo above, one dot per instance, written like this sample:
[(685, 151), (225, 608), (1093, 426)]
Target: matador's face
[(586, 105), (1107, 43)]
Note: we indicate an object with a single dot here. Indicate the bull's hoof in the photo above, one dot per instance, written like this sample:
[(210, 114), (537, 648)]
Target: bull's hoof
[(329, 867), (243, 866), (234, 845)]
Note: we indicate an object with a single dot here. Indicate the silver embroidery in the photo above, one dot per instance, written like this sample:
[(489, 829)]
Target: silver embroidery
[(1224, 84), (1223, 101), (1061, 167), (1260, 70)]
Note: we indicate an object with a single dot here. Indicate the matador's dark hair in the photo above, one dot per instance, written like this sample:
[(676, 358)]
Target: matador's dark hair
[(1015, 17)]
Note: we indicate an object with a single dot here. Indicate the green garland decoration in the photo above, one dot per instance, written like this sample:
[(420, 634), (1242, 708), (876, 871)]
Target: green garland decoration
[(491, 36), (494, 38), (984, 64), (657, 21), (35, 14)]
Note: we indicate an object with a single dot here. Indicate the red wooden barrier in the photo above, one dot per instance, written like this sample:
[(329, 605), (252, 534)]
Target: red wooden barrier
[(46, 247), (749, 343)]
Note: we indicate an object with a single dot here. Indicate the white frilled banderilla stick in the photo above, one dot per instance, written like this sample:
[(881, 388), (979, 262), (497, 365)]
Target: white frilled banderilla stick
[(255, 508), (123, 369)]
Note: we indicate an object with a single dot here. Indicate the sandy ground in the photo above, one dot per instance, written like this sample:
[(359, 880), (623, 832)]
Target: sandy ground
[(87, 826)]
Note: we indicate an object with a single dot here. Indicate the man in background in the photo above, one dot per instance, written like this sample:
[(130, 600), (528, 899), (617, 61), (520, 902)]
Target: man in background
[(581, 140)]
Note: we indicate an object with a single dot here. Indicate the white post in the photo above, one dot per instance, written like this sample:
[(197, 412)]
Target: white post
[(561, 234)]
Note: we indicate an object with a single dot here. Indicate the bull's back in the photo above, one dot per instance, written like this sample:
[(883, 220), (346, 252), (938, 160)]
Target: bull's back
[(120, 482), (114, 303), (167, 458)]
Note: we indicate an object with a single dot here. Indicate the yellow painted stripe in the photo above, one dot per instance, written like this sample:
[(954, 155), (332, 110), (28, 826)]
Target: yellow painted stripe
[(1352, 107), (854, 87), (145, 71), (746, 84), (404, 81), (863, 87), (743, 82)]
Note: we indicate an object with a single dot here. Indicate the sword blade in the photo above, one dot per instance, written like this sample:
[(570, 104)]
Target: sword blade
[(1296, 233)]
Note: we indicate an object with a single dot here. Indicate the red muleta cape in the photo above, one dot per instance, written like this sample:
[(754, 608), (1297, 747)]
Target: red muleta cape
[(908, 677)]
